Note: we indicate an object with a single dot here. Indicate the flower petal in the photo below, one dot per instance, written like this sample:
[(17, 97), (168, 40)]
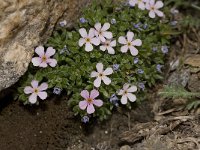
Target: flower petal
[(113, 43), (124, 99), (106, 26), (141, 5), (50, 52), (83, 104), (81, 42), (40, 51), (132, 89), (102, 38), (52, 62), (42, 95), (159, 13), (111, 50), (97, 26), (91, 33), (137, 42), (33, 98), (95, 41), (108, 71), (103, 48), (85, 94), (131, 97), (83, 32), (122, 40), (43, 87), (28, 90), (99, 67), (98, 103), (88, 47), (94, 93), (133, 50), (124, 49), (94, 74), (126, 86), (43, 64), (36, 61), (148, 6), (106, 80), (132, 2), (130, 36), (152, 14), (108, 35), (90, 109), (121, 92), (97, 82), (34, 84), (151, 2), (159, 4)]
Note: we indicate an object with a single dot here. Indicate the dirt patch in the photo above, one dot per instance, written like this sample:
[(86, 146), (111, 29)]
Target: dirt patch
[(51, 125)]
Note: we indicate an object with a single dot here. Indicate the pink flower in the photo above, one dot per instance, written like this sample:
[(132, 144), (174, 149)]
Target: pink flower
[(35, 91), (129, 43), (88, 39), (126, 93), (108, 45), (44, 58), (102, 33), (101, 75), (153, 7), (140, 3), (89, 101)]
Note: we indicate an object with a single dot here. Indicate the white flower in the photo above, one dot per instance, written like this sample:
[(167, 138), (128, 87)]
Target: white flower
[(126, 93), (153, 7), (140, 3), (44, 58), (88, 39), (101, 75), (102, 33), (36, 90), (129, 43), (108, 45)]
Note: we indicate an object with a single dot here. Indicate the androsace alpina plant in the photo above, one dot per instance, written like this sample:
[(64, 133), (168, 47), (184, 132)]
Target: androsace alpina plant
[(113, 53)]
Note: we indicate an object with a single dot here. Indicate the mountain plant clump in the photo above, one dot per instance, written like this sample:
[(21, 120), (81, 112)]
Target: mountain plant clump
[(109, 59)]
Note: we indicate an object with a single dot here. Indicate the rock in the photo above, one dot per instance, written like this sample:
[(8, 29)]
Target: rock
[(26, 24), (125, 147), (194, 83), (174, 64), (193, 60), (179, 78)]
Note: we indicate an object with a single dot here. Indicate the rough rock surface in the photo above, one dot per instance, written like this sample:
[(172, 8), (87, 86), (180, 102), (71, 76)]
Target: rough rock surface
[(24, 24)]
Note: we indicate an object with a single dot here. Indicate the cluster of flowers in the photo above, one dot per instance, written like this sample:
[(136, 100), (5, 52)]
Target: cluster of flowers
[(97, 36), (150, 5), (100, 35)]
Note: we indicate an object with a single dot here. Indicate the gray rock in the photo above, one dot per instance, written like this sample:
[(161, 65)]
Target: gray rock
[(25, 24), (194, 83), (179, 78)]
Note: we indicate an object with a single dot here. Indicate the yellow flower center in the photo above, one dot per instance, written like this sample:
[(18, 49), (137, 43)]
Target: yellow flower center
[(87, 39), (125, 92), (89, 100), (44, 58), (36, 91), (100, 32), (152, 8), (100, 75), (129, 43)]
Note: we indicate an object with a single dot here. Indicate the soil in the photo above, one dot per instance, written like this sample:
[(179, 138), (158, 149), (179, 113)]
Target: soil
[(52, 126)]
